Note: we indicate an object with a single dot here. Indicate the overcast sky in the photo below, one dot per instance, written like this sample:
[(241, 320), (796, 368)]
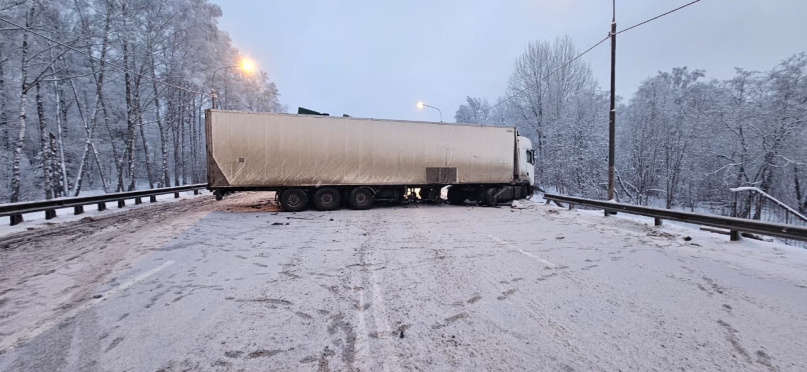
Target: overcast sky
[(378, 58)]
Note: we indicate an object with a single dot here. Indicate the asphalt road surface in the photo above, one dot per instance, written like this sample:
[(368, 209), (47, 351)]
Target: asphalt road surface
[(236, 285)]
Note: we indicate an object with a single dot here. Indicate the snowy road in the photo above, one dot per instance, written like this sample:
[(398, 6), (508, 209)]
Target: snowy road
[(234, 285)]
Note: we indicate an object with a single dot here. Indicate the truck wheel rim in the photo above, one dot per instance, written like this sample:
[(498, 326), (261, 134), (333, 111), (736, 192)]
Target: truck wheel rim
[(294, 200), (361, 198), (326, 199)]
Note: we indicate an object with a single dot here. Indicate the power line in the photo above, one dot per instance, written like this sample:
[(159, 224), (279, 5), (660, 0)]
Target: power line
[(589, 49), (123, 69), (657, 17), (552, 73)]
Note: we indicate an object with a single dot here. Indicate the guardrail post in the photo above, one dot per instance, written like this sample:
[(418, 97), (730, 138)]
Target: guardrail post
[(195, 191), (657, 221), (15, 219), (79, 209), (153, 199), (176, 195), (734, 235), (571, 206), (121, 203), (138, 201), (50, 214), (101, 206)]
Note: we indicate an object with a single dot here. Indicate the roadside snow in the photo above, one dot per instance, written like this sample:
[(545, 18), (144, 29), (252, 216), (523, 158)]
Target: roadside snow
[(37, 220)]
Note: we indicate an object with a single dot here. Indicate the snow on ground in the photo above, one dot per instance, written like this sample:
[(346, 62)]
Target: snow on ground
[(237, 285), (720, 248)]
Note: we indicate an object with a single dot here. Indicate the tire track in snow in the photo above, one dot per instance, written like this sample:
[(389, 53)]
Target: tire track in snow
[(24, 336), (513, 247), (377, 311)]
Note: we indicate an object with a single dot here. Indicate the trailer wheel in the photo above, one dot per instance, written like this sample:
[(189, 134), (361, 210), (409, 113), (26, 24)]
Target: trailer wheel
[(327, 199), (293, 200), (361, 198), (490, 197)]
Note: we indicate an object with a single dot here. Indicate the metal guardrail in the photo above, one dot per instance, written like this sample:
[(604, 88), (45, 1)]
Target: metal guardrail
[(16, 210), (734, 224)]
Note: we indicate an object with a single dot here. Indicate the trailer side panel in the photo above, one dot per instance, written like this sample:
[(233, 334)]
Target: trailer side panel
[(277, 150)]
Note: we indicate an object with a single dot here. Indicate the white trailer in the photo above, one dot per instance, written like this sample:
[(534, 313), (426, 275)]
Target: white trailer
[(325, 160)]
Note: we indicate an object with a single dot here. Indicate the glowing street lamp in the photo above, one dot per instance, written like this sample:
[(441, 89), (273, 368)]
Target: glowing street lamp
[(421, 105), (245, 64)]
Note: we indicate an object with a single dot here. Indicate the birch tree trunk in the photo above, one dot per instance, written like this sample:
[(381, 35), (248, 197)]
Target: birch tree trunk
[(166, 178), (89, 128), (61, 119), (182, 146), (99, 104), (194, 129), (6, 142), (57, 179), (44, 146), (17, 156), (143, 132), (130, 114), (175, 123)]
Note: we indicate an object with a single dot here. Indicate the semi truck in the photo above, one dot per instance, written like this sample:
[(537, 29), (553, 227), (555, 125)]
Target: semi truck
[(327, 162)]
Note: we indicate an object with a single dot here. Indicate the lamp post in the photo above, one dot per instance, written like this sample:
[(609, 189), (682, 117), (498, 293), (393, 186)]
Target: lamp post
[(422, 105), (213, 85), (245, 65)]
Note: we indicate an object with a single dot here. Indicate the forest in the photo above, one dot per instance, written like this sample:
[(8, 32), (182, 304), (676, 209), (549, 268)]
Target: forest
[(683, 140), (109, 95)]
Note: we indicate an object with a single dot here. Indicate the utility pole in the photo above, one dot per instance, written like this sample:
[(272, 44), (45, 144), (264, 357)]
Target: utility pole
[(612, 113)]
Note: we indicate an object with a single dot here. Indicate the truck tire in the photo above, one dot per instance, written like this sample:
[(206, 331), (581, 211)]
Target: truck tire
[(490, 197), (293, 200), (327, 199), (361, 198)]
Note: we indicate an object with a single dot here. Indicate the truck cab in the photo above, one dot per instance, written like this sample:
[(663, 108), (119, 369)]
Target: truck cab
[(525, 161)]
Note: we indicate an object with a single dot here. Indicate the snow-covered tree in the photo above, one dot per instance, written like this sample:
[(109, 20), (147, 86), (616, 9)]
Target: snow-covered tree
[(476, 111), (682, 142), (109, 94)]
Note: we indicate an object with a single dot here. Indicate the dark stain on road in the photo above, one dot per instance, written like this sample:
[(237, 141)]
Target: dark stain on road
[(233, 353), (506, 294), (450, 320), (731, 337), (264, 353), (114, 343), (269, 300)]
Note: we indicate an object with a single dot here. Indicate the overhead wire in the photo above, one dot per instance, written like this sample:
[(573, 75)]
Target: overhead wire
[(588, 50), (551, 73), (657, 17), (124, 69), (114, 65)]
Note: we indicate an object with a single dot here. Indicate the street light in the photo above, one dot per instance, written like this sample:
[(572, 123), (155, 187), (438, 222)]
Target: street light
[(421, 105), (246, 65)]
